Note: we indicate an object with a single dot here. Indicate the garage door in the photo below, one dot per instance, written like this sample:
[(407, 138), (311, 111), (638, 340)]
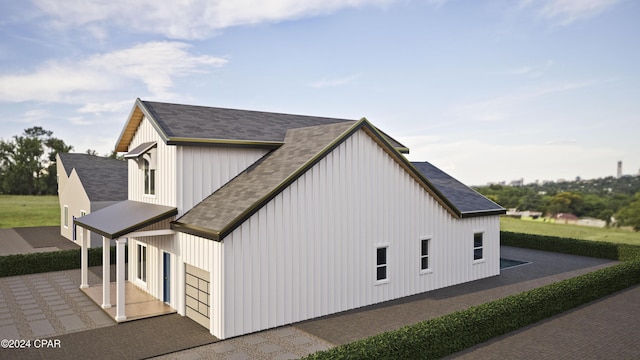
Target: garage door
[(197, 295)]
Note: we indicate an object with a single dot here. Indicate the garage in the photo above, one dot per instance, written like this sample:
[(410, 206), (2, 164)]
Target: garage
[(197, 295)]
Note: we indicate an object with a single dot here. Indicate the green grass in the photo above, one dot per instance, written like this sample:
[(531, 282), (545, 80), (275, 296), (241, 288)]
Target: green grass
[(615, 235), (27, 210)]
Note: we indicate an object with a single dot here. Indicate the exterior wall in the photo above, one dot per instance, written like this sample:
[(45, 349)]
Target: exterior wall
[(73, 196), (311, 251), (155, 246), (203, 170), (206, 255), (61, 174), (165, 187)]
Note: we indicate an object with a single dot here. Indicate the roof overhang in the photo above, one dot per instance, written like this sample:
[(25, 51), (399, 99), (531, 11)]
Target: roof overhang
[(140, 150), (124, 217)]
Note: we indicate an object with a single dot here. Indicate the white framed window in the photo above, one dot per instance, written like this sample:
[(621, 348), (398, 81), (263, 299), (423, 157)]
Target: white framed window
[(149, 178), (425, 250), (83, 213), (382, 263), (478, 246), (66, 217), (141, 264)]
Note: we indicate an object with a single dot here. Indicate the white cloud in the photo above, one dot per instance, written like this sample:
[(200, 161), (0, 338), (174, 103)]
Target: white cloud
[(31, 116), (154, 64), (568, 11), (326, 83), (504, 106), (96, 108), (532, 71), (476, 162), (189, 19)]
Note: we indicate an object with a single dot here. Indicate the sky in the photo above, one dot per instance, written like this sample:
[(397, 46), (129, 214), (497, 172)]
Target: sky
[(488, 91)]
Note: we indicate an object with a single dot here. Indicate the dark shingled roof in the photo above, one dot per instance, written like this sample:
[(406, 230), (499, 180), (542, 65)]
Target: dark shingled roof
[(104, 179), (181, 124), (468, 201), (226, 208)]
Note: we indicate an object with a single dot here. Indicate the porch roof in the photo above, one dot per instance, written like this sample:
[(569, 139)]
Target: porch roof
[(124, 217)]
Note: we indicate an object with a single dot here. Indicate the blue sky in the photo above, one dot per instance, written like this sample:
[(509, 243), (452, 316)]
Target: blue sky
[(486, 90)]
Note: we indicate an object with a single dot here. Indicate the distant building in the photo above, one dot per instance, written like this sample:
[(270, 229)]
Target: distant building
[(619, 169), (519, 182)]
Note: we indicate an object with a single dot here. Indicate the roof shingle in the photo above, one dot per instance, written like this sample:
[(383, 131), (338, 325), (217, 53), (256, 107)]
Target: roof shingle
[(465, 199), (104, 179)]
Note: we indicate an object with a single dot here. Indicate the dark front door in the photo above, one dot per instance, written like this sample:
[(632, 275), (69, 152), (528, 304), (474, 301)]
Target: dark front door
[(166, 273)]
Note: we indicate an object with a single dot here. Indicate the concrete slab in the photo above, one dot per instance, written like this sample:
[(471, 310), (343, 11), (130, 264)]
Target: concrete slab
[(41, 328), (72, 322), (9, 332)]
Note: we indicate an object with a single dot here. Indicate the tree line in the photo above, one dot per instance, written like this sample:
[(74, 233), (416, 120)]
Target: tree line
[(614, 200), (28, 162)]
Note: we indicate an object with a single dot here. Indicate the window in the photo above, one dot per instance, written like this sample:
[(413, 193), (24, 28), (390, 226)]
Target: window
[(477, 246), (141, 272), (149, 179), (424, 254), (83, 213), (381, 263), (66, 216)]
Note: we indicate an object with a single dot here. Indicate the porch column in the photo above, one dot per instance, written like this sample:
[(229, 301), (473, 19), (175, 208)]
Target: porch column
[(106, 273), (84, 259), (120, 269)]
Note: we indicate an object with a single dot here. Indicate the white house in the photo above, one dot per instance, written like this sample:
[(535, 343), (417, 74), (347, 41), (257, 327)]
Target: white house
[(245, 220), (87, 183)]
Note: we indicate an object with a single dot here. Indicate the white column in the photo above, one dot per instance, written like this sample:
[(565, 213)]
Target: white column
[(106, 273), (120, 269), (84, 259)]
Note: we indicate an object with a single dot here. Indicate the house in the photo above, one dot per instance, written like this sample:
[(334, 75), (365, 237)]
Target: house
[(87, 183), (246, 220)]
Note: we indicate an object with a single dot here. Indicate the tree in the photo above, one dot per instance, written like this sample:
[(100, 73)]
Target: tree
[(28, 162), (630, 214), (564, 202)]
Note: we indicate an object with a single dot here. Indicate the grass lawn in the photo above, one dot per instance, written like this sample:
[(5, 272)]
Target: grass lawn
[(614, 235), (27, 210)]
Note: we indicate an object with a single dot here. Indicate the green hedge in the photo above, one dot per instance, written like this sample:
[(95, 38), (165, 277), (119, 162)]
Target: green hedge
[(460, 330), (599, 249), (22, 264)]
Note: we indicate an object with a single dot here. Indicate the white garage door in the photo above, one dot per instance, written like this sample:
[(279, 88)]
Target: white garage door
[(197, 295)]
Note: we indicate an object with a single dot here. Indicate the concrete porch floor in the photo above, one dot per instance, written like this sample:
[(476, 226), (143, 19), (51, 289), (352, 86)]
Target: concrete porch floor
[(138, 303)]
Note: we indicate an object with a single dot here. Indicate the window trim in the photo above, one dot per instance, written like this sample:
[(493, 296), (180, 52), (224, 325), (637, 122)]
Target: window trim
[(428, 269), (66, 217), (149, 178), (385, 264), (141, 266), (481, 247)]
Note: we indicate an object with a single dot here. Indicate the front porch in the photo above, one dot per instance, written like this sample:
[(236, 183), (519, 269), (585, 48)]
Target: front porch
[(138, 303)]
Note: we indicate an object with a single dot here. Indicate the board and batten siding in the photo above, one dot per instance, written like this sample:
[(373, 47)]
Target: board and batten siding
[(311, 251), (206, 255), (204, 169), (165, 186)]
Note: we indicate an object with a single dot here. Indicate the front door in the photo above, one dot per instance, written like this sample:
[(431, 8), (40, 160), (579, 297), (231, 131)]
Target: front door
[(166, 273)]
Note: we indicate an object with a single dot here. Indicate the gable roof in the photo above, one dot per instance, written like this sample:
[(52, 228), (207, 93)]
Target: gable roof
[(228, 207), (201, 125), (468, 201), (103, 179)]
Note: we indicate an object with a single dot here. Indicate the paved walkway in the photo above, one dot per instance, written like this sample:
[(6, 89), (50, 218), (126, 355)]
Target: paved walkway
[(50, 305), (33, 239)]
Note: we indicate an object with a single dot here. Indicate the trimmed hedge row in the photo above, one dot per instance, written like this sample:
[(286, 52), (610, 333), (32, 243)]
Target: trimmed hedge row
[(460, 330), (22, 264), (598, 249)]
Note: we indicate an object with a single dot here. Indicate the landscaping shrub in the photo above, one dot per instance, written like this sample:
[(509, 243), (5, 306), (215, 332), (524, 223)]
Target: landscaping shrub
[(22, 264), (457, 331), (599, 249)]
